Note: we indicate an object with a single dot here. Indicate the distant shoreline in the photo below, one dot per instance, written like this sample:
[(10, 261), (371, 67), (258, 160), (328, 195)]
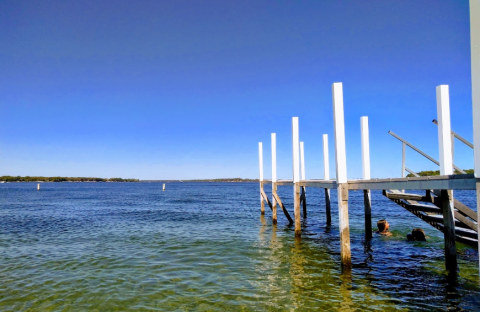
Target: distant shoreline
[(12, 179), (205, 180)]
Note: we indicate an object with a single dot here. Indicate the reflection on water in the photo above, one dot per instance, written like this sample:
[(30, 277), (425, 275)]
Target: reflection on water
[(205, 246)]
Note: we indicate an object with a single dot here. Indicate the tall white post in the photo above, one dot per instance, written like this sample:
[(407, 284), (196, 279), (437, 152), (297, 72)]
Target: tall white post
[(326, 176), (326, 164), (444, 130), (302, 161), (274, 157), (296, 176), (475, 59), (260, 160), (366, 175), (341, 165), (274, 178), (365, 147), (339, 127), (446, 168), (260, 168), (295, 150)]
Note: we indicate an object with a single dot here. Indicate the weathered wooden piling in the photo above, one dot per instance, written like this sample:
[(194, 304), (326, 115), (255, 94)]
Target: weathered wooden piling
[(260, 166), (274, 177), (366, 175), (446, 168), (341, 168), (326, 177), (303, 191), (475, 60), (296, 176)]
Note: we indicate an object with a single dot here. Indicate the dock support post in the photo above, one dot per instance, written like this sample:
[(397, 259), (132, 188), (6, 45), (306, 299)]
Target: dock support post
[(366, 175), (478, 217), (341, 168), (296, 176), (302, 171), (326, 177), (446, 168), (449, 231), (475, 60), (274, 177), (260, 166)]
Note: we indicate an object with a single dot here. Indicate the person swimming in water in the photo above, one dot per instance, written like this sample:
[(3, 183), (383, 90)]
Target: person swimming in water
[(383, 227), (417, 235)]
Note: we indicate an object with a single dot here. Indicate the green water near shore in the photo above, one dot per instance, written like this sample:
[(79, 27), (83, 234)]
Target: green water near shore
[(203, 247)]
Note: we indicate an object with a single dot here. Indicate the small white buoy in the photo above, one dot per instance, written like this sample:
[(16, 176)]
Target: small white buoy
[(38, 187), (164, 186)]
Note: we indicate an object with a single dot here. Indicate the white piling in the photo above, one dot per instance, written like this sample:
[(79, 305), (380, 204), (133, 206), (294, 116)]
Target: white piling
[(274, 157), (475, 60), (339, 127), (274, 177), (296, 175), (366, 175), (446, 168), (260, 168), (295, 150), (341, 168), (260, 161), (38, 187), (326, 164), (302, 161), (444, 130), (365, 147), (164, 186)]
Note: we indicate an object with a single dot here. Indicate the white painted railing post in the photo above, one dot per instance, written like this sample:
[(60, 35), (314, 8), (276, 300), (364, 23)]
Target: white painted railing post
[(446, 168), (366, 175), (274, 178), (341, 166), (326, 176), (296, 175), (475, 59), (260, 167)]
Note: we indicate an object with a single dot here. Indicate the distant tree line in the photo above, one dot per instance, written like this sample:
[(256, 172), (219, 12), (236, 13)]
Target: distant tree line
[(436, 173), (224, 180), (62, 179)]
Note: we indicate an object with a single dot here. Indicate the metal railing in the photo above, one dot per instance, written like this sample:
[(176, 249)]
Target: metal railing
[(405, 143)]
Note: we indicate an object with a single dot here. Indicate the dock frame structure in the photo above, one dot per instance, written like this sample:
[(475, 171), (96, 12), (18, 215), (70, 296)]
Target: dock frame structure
[(442, 185)]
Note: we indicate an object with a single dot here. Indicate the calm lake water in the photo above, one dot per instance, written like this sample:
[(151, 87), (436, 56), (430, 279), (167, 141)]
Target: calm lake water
[(205, 247)]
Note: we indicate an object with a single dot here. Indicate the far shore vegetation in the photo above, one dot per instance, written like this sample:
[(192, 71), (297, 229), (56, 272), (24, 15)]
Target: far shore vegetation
[(62, 179), (207, 180), (436, 173)]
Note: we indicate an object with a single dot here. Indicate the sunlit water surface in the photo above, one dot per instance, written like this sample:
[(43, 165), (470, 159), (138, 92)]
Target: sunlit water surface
[(205, 247)]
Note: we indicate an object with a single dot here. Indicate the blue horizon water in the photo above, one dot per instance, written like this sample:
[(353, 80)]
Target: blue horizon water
[(205, 247)]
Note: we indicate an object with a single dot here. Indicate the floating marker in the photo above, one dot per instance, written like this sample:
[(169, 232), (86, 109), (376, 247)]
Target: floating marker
[(38, 187), (164, 186)]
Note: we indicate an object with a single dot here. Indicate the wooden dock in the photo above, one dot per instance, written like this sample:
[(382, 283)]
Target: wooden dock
[(437, 206)]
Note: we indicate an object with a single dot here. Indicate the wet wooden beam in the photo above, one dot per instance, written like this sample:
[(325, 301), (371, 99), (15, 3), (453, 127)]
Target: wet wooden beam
[(449, 231), (279, 201), (328, 209)]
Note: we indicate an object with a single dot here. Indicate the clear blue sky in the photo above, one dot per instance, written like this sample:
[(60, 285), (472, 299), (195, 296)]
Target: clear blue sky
[(187, 89)]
